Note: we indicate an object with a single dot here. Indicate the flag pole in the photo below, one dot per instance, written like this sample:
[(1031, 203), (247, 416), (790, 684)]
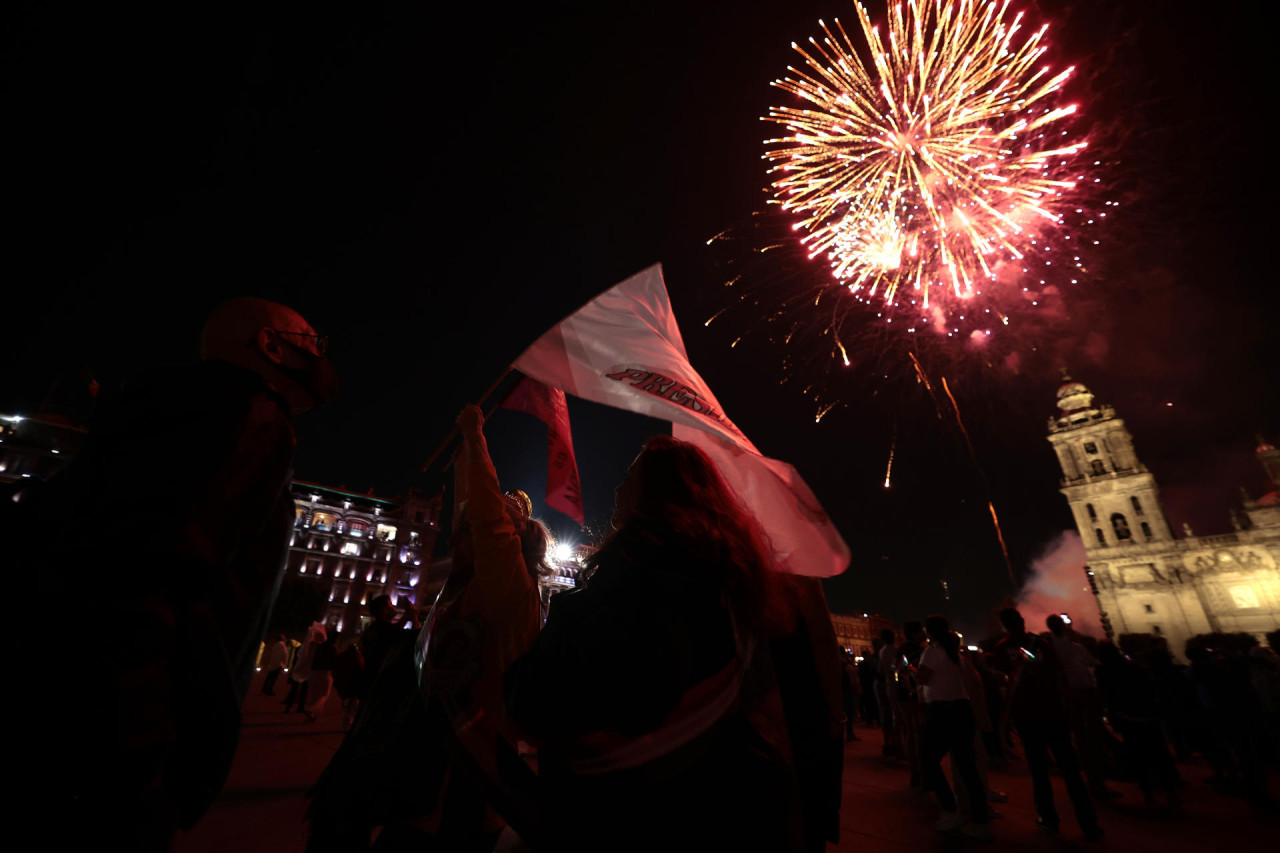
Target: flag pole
[(454, 432)]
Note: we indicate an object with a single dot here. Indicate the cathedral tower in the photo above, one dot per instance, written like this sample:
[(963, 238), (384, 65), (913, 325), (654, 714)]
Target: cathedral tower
[(1146, 580), (1112, 495)]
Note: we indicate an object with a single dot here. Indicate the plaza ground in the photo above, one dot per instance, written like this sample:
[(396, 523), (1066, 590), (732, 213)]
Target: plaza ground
[(261, 808)]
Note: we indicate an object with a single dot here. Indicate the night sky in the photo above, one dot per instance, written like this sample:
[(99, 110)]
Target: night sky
[(436, 189)]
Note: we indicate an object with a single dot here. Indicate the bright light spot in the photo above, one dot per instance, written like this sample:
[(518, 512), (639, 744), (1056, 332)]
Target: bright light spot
[(563, 552)]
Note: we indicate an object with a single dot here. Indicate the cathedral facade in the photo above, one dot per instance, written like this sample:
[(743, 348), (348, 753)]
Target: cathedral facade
[(1148, 579)]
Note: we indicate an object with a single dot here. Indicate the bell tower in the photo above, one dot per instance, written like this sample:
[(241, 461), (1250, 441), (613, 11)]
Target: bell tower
[(1112, 495)]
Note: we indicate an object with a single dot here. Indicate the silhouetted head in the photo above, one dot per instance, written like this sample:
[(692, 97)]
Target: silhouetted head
[(382, 609), (1056, 624), (535, 540), (886, 636), (674, 495), (913, 631), (274, 342), (1012, 621), (940, 632)]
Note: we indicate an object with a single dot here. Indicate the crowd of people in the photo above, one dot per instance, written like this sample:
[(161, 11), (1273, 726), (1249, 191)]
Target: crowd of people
[(714, 721), (1095, 710)]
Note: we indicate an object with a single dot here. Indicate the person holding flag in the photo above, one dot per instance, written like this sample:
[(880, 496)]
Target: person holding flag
[(663, 724), (423, 762)]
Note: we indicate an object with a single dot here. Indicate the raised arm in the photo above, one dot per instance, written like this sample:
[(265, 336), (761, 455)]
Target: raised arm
[(500, 568)]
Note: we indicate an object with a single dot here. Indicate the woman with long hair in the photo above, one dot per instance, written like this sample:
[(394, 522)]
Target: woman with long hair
[(950, 727), (650, 691)]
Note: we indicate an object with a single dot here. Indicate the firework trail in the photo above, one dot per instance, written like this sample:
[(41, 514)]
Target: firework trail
[(942, 160), (924, 380), (893, 446), (995, 519)]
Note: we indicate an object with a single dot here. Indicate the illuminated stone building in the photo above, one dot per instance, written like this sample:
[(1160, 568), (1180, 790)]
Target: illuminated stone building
[(358, 547), (1147, 579), (855, 632)]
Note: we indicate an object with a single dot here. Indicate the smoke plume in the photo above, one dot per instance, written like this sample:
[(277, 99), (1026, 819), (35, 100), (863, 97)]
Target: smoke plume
[(1057, 583)]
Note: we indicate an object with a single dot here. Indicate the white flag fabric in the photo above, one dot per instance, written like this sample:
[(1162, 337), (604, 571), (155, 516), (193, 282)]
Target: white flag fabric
[(624, 349)]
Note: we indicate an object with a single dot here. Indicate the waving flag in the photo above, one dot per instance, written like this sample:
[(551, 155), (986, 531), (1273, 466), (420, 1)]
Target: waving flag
[(624, 349), (564, 490)]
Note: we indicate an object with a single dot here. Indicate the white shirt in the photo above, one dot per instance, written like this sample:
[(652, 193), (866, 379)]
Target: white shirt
[(947, 682), (277, 656), (302, 664)]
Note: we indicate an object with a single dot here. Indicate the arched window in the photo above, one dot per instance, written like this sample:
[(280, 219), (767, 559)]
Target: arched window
[(1120, 525), (1102, 540), (1093, 515), (1098, 467), (1137, 505), (1146, 530)]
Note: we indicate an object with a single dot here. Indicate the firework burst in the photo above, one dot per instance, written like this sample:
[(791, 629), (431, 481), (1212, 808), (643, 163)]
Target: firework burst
[(926, 170)]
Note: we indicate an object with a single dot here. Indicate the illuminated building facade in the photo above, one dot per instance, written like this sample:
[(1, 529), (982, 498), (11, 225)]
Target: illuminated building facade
[(35, 447), (358, 547), (1148, 580), (855, 633)]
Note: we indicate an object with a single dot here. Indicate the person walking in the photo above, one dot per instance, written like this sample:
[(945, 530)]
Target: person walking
[(300, 674), (277, 656), (347, 667), (1039, 715), (950, 727), (321, 676)]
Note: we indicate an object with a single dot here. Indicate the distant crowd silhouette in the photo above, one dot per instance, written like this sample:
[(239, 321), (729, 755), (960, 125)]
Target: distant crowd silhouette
[(1097, 710)]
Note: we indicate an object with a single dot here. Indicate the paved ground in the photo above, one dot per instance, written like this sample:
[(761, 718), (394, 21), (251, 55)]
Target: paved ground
[(280, 756)]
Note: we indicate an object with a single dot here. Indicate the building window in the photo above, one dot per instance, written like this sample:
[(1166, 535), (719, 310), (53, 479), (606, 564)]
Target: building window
[(1146, 530), (1093, 515), (1098, 467), (413, 537), (1102, 540), (322, 521), (358, 528), (418, 517), (1090, 447), (386, 533), (1137, 505), (351, 549), (1149, 608), (1120, 526), (298, 515), (1243, 597)]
